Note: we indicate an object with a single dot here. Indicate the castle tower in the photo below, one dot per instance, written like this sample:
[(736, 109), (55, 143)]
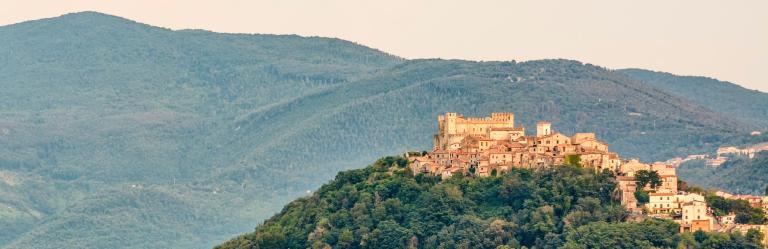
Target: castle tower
[(506, 117), (543, 128), (450, 122)]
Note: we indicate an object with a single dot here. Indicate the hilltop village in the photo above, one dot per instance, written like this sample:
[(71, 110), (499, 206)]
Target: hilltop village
[(487, 146), (492, 145)]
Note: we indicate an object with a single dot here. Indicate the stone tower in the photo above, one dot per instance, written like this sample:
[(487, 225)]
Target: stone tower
[(450, 122), (507, 118), (543, 128)]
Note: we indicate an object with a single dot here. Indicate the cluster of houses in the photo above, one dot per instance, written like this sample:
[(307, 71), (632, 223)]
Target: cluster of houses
[(491, 145), (665, 201), (723, 154), (690, 210)]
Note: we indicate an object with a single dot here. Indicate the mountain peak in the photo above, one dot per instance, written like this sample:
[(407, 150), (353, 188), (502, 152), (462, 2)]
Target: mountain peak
[(90, 16), (77, 20)]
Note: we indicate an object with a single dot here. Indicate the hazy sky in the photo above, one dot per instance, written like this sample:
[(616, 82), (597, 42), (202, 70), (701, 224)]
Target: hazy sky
[(727, 40)]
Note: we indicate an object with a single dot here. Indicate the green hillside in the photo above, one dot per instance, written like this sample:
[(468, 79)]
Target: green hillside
[(386, 206), (724, 97), (94, 104), (116, 134), (739, 174)]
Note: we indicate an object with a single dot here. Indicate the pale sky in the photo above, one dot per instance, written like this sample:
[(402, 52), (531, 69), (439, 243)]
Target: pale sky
[(727, 40)]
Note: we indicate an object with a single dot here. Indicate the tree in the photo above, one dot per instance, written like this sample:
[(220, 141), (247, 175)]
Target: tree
[(745, 213), (573, 160), (647, 234), (754, 236), (742, 218), (271, 237), (648, 177), (766, 190), (346, 239), (642, 196), (388, 234)]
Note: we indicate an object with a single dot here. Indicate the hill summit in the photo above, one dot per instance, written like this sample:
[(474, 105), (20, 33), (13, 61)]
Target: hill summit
[(386, 206)]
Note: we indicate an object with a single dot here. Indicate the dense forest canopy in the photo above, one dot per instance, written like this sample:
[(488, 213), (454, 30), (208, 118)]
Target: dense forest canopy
[(386, 206)]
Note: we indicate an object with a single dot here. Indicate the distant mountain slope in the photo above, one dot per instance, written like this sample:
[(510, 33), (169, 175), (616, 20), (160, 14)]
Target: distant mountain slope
[(723, 97), (93, 104), (108, 125), (740, 175)]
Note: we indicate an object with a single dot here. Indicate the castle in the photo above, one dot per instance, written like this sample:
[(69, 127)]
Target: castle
[(491, 145)]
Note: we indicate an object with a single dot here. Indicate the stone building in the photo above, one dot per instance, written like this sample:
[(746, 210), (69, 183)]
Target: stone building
[(667, 174), (690, 210), (490, 145)]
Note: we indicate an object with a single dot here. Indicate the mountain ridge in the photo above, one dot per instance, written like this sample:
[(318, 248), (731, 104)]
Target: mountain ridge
[(721, 96)]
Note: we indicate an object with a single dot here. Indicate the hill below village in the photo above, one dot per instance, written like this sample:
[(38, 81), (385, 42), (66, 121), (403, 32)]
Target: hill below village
[(116, 134), (385, 206)]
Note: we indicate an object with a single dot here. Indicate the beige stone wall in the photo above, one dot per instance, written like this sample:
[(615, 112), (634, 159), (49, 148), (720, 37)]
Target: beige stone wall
[(593, 145), (453, 127), (663, 169), (581, 137), (668, 184), (695, 210), (500, 157), (499, 135), (553, 140), (660, 203), (543, 128), (629, 168)]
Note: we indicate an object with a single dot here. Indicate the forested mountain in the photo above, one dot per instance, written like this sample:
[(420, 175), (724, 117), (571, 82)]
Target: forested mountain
[(116, 134), (724, 97), (108, 126), (740, 174), (386, 206)]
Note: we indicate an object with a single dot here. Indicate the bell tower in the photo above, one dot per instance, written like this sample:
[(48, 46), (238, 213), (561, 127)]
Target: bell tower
[(543, 128)]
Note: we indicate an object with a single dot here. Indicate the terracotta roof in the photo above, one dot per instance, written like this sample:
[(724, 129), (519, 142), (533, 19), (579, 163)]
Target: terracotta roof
[(516, 145)]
